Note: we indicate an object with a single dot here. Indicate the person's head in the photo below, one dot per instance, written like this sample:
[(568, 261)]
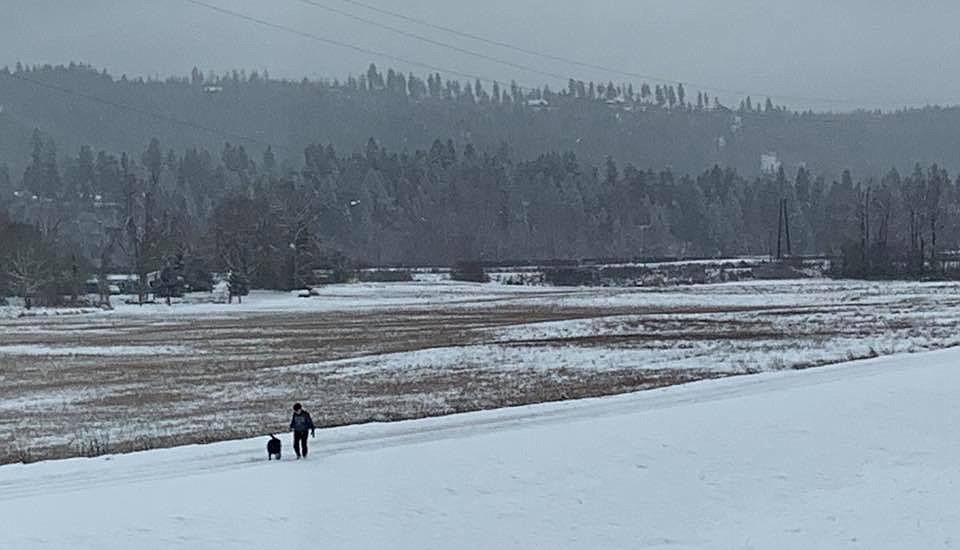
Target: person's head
[(297, 407)]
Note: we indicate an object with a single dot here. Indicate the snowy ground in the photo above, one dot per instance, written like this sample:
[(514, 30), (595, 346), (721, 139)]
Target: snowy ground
[(138, 378), (859, 455)]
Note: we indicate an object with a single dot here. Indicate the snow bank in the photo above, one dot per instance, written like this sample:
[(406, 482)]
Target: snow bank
[(346, 297), (14, 312), (861, 455), (62, 351), (432, 293)]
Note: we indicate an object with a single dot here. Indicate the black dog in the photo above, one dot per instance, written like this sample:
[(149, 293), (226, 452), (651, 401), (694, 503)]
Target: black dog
[(274, 448)]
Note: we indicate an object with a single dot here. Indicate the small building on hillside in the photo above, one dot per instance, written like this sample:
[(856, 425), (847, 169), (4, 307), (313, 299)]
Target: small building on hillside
[(538, 104), (770, 163)]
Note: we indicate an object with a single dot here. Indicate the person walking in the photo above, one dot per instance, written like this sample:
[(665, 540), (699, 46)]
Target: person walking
[(301, 424)]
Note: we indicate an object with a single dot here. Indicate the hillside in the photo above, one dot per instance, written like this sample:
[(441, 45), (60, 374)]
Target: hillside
[(257, 111), (860, 455)]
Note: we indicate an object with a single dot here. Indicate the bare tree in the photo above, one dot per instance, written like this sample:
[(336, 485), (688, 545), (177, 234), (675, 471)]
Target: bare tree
[(298, 210), (29, 269), (109, 243), (140, 230)]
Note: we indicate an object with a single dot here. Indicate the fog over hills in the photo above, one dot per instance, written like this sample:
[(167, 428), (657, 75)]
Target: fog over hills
[(859, 53)]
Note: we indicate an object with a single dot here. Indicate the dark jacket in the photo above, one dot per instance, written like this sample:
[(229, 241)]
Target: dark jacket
[(301, 422)]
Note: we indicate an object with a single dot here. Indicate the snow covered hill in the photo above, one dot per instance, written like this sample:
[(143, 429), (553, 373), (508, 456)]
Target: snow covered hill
[(860, 455)]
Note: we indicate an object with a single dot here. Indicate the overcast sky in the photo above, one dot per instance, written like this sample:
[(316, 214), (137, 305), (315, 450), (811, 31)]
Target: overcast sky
[(860, 53)]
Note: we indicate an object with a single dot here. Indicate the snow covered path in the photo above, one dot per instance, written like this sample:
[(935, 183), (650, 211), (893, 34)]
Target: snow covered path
[(861, 455)]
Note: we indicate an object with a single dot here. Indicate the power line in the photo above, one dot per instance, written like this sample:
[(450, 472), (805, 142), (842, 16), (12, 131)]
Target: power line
[(339, 43), (431, 41), (584, 64), (432, 67), (151, 114), (242, 137), (465, 34)]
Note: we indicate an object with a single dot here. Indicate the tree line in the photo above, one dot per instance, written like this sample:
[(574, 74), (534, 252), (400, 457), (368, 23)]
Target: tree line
[(646, 124), (172, 218)]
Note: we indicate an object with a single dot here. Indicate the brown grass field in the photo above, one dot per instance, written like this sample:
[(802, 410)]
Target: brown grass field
[(234, 373)]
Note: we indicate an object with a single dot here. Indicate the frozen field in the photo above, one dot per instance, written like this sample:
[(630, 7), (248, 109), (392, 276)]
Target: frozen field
[(858, 455), (138, 378)]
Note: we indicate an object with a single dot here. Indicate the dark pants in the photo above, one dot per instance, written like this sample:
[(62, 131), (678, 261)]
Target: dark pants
[(300, 443)]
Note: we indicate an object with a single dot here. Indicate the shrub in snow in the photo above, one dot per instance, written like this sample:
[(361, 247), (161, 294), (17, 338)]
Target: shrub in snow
[(469, 271), (571, 276), (239, 286), (386, 276), (221, 292), (91, 444)]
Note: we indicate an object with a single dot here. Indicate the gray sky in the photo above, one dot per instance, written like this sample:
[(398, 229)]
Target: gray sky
[(866, 53)]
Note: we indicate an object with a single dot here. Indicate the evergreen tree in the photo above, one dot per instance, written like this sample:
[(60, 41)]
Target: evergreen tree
[(239, 286), (33, 178), (671, 96), (269, 161), (802, 185), (612, 174), (153, 161), (645, 92)]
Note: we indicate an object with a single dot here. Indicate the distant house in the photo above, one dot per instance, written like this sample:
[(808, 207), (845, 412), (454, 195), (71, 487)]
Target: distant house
[(212, 89), (119, 283), (720, 108), (538, 103), (123, 280), (949, 260), (737, 124), (93, 286), (770, 163), (324, 277), (621, 103)]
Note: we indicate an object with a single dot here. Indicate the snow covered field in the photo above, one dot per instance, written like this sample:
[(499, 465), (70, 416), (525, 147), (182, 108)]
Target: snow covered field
[(858, 455), (138, 378)]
